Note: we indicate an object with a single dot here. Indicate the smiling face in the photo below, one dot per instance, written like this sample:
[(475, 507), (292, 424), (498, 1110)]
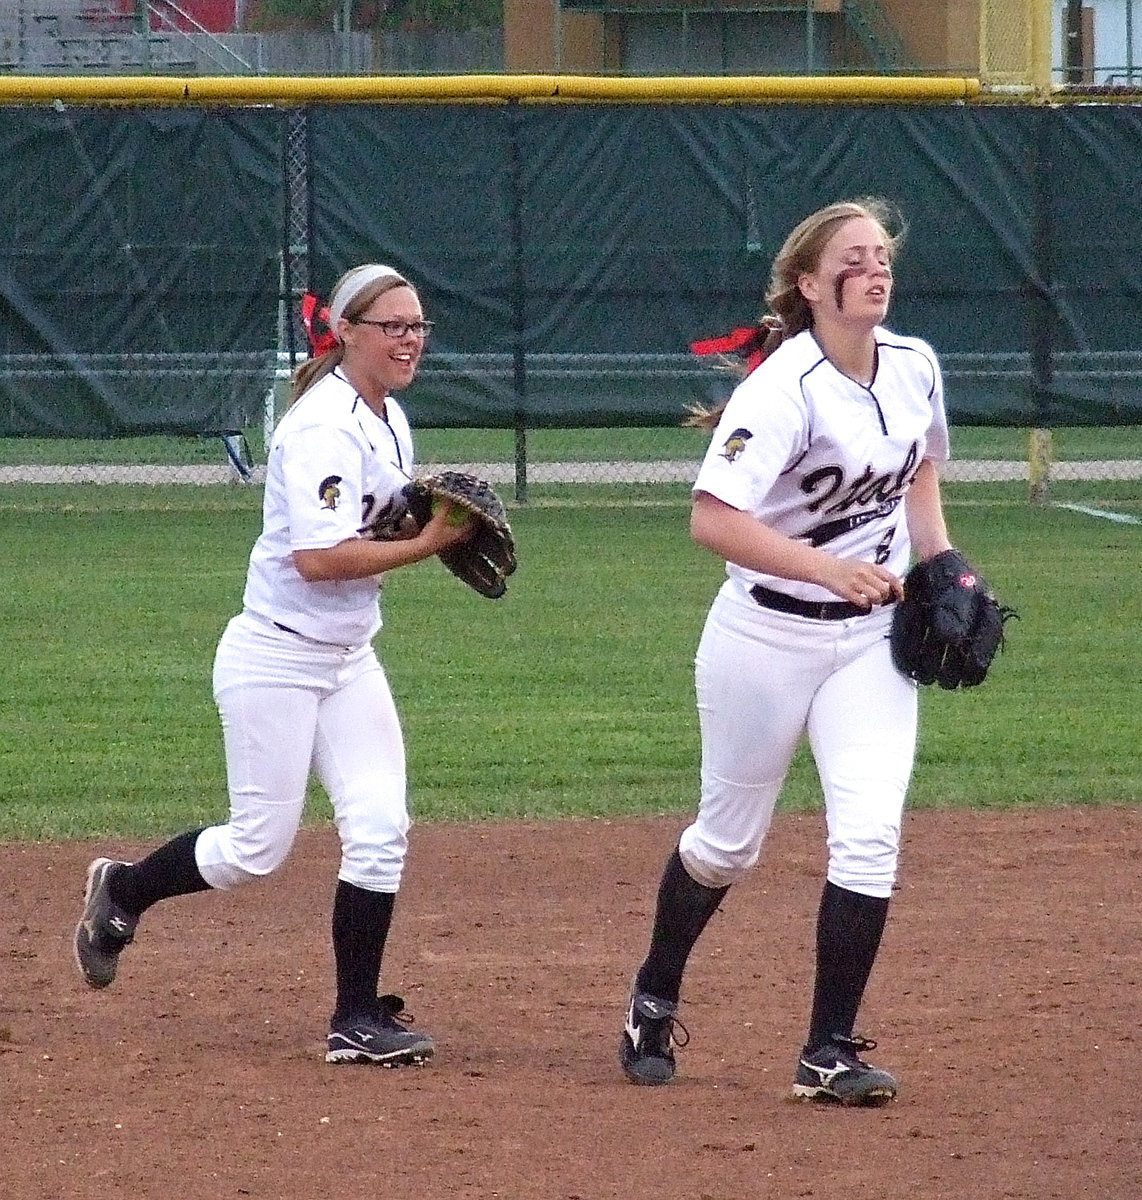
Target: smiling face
[(388, 362), (852, 282)]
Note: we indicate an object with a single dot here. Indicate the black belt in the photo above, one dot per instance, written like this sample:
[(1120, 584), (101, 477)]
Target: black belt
[(818, 610), (306, 638)]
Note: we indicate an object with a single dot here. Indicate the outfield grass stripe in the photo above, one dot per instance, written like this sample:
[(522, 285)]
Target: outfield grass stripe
[(1124, 518)]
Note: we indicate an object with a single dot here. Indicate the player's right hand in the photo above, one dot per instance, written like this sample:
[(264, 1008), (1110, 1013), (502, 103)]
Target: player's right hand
[(864, 583)]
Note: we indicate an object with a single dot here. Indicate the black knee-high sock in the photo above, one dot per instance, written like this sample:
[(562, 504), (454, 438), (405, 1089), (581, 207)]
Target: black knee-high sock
[(684, 908), (168, 871), (849, 927), (361, 923)]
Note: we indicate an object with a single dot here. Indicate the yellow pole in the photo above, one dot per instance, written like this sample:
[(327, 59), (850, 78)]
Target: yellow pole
[(282, 89), (1042, 16), (1041, 453)]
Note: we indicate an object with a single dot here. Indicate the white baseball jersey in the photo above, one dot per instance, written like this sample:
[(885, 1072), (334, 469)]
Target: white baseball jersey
[(819, 457), (333, 467)]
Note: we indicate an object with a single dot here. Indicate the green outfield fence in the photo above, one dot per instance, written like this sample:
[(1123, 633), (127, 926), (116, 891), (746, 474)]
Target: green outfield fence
[(570, 235)]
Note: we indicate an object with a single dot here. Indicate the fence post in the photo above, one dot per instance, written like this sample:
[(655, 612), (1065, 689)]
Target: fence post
[(519, 301), (521, 463), (1040, 455), (1042, 311)]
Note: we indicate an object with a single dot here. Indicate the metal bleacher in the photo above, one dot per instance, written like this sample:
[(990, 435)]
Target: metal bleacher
[(102, 37), (85, 37)]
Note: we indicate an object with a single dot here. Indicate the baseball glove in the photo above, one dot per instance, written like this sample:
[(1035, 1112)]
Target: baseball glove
[(487, 558), (949, 625)]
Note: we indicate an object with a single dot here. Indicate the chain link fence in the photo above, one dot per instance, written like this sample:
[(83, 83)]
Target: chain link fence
[(529, 462)]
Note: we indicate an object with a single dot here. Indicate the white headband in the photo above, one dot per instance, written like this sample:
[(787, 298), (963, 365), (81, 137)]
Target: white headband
[(353, 285)]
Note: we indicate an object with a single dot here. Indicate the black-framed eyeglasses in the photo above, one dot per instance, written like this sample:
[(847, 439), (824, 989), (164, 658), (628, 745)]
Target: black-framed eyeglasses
[(398, 329)]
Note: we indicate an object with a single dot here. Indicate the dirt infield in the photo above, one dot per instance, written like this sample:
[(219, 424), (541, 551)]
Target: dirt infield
[(1005, 999)]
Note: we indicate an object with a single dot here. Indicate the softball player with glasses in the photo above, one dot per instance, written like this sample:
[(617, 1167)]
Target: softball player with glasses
[(819, 483), (298, 684)]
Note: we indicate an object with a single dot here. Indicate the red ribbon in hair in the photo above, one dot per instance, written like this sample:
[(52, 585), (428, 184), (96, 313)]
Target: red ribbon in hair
[(319, 343), (747, 342)]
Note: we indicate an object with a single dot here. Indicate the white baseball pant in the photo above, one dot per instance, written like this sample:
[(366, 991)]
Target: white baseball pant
[(764, 679), (290, 705)]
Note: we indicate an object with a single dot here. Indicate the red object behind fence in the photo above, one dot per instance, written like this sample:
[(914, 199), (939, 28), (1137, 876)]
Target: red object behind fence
[(215, 16)]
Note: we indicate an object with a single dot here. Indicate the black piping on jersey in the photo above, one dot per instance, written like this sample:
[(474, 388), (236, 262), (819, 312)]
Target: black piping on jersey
[(798, 460), (879, 411), (893, 346), (913, 350), (801, 385), (865, 387), (392, 432)]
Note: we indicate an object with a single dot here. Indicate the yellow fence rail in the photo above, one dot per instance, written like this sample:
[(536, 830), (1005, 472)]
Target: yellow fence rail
[(302, 90)]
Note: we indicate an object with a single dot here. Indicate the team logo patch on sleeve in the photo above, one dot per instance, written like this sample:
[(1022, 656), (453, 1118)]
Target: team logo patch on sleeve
[(735, 444), (328, 491)]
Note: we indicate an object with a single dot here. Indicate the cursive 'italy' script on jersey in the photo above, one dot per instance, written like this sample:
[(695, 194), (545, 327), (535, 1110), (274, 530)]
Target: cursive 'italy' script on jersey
[(824, 458)]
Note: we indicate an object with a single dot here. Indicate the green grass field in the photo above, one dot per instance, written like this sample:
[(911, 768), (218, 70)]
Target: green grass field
[(570, 697)]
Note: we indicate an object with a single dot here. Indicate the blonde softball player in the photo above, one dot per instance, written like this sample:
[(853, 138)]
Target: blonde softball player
[(297, 682), (819, 482)]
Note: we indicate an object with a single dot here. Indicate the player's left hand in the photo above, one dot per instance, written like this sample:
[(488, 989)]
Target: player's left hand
[(950, 625)]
